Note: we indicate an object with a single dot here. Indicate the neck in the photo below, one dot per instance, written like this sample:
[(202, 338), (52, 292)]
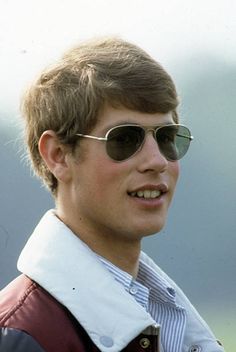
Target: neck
[(119, 250), (123, 255)]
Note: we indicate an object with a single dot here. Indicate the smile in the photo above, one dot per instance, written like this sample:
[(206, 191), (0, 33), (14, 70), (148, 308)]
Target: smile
[(146, 194)]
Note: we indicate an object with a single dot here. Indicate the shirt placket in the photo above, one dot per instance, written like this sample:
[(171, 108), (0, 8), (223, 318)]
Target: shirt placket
[(148, 341)]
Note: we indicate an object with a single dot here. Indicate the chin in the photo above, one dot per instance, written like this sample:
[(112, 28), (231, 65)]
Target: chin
[(152, 233), (151, 230)]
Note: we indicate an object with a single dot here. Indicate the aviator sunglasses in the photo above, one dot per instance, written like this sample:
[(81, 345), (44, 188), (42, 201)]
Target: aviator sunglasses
[(124, 141)]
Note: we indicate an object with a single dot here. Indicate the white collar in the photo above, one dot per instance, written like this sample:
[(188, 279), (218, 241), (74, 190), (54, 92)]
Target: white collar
[(63, 265)]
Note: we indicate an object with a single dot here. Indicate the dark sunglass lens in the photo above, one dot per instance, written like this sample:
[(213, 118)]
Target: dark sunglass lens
[(173, 141), (124, 141)]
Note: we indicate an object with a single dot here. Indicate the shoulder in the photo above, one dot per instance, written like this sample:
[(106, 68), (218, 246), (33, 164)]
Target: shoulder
[(12, 300), (22, 301), (13, 297), (28, 312)]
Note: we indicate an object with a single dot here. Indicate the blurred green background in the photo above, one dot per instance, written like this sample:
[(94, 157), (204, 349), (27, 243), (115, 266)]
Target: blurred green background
[(195, 42)]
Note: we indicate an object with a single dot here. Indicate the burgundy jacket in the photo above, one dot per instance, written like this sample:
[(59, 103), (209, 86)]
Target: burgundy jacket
[(31, 320)]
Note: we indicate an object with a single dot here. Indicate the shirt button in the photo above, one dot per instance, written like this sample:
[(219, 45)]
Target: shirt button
[(133, 290), (144, 342), (171, 291), (106, 341), (195, 348)]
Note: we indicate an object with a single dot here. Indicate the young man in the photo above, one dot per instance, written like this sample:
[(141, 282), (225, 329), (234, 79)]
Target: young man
[(104, 135)]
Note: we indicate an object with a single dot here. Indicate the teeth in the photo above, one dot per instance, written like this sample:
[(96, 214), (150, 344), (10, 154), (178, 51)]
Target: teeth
[(141, 194), (147, 194)]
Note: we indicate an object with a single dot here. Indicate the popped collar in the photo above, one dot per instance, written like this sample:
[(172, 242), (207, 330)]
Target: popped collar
[(66, 267)]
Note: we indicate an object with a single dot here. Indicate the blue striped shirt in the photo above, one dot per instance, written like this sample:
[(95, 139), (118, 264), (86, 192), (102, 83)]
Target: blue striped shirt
[(156, 296)]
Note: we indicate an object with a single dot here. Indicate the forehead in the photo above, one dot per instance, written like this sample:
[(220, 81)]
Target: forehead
[(110, 117)]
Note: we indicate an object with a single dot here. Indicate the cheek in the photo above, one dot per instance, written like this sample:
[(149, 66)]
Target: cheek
[(176, 167), (174, 171), (105, 173), (109, 173), (111, 180)]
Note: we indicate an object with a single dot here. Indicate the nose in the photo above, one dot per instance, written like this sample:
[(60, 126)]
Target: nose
[(151, 159)]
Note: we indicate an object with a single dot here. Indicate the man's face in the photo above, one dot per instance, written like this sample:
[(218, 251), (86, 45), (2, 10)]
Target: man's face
[(107, 197)]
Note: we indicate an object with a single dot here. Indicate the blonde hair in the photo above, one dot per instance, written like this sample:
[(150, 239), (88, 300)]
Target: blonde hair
[(68, 96)]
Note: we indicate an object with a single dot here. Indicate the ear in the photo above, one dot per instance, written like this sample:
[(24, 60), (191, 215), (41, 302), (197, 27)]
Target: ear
[(55, 155)]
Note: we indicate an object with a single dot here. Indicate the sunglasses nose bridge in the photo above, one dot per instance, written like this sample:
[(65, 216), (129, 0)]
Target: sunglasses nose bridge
[(148, 130), (152, 130)]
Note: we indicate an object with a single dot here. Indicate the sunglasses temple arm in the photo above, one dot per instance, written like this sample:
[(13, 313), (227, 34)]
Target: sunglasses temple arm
[(188, 137), (91, 137)]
